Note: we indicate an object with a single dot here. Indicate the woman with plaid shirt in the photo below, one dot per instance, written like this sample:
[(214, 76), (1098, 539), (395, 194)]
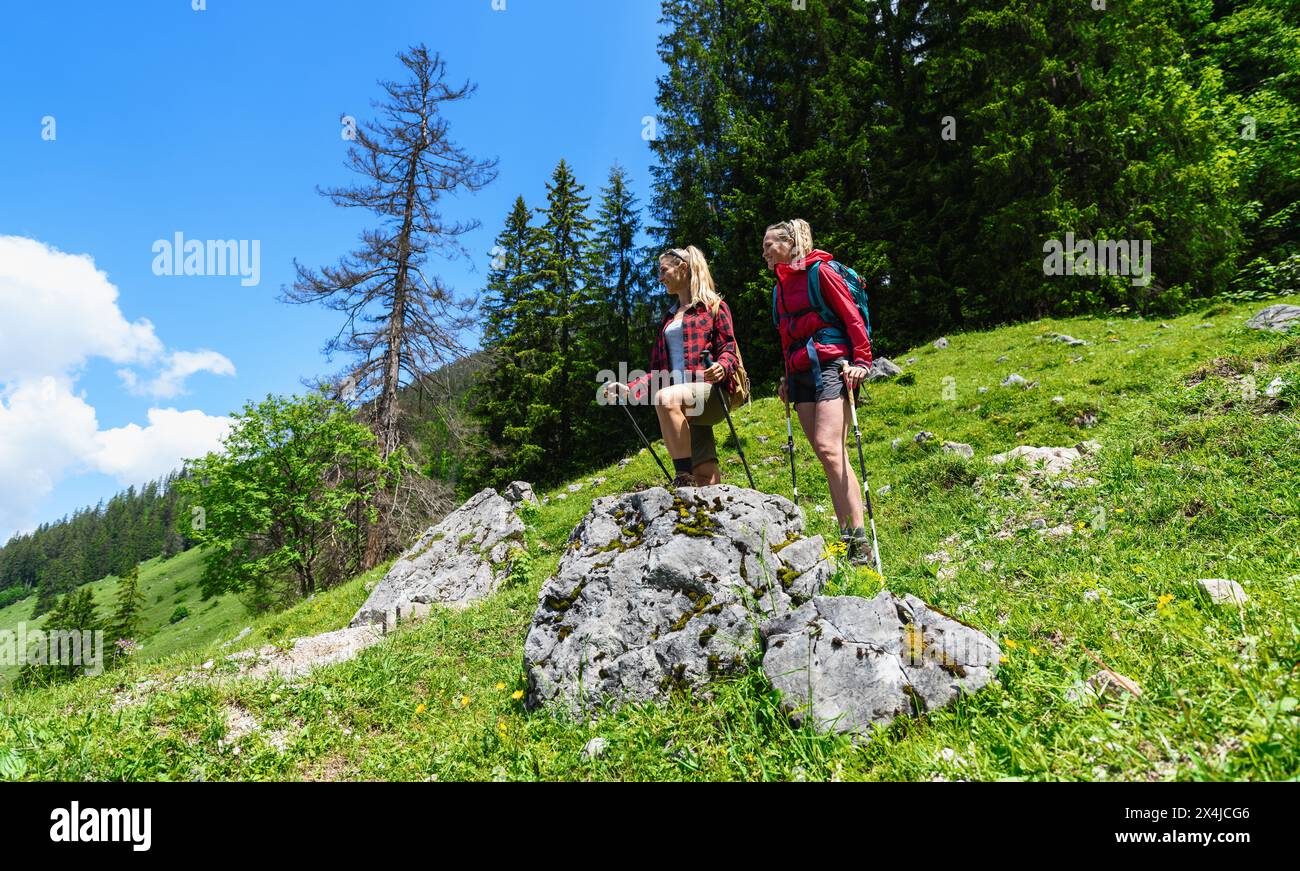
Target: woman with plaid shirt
[(689, 402)]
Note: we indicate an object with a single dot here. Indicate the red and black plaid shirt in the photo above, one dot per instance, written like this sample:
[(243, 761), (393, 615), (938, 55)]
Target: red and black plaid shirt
[(701, 331)]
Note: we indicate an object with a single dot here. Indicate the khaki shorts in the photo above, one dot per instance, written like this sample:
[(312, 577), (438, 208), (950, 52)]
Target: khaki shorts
[(704, 447)]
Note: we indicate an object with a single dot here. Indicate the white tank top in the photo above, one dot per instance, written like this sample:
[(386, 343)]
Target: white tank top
[(676, 350)]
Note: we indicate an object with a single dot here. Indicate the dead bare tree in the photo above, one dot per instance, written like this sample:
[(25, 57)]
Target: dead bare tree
[(401, 321)]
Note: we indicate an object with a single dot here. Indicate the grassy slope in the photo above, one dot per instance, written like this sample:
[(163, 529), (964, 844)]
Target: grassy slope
[(165, 584), (1194, 482)]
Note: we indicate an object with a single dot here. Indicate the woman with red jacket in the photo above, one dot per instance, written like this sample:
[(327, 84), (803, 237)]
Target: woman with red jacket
[(689, 403), (824, 360)]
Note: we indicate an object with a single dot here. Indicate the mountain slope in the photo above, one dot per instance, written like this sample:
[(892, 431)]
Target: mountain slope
[(1197, 478)]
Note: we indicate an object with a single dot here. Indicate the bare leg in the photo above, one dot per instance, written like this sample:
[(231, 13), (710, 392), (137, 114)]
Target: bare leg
[(826, 426), (674, 423)]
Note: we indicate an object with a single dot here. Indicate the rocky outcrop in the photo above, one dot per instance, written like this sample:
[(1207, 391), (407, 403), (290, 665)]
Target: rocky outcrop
[(461, 560), (851, 663), (661, 590), (1278, 318)]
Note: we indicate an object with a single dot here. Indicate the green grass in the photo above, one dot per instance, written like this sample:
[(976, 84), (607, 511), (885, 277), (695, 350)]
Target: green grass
[(165, 585), (1194, 480)]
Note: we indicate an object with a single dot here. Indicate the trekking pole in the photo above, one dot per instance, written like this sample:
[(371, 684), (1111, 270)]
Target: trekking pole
[(645, 441), (862, 464), (789, 435), (726, 410)]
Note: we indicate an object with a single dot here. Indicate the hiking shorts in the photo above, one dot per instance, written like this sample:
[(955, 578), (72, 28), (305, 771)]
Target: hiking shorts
[(704, 447), (802, 388)]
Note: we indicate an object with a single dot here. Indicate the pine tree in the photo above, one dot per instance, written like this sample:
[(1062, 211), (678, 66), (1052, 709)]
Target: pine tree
[(623, 265), (566, 299), (516, 339), (125, 622)]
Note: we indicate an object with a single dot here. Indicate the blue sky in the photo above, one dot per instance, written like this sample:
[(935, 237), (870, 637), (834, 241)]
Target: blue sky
[(219, 124)]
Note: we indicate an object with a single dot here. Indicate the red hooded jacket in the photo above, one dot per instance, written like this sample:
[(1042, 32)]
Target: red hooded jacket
[(796, 329)]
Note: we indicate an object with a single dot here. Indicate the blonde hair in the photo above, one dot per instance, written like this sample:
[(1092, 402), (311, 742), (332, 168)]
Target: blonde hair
[(799, 235), (702, 289)]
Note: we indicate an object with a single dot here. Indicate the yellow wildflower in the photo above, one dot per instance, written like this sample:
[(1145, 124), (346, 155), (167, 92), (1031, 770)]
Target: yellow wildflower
[(1163, 601), (421, 708), (464, 700), (517, 695), (1003, 659), (501, 685), (1033, 651), (1010, 643)]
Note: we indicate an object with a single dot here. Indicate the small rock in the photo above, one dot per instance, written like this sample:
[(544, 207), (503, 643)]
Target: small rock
[(1068, 340), (1202, 326), (517, 492), (941, 343), (896, 443), (1166, 326), (623, 462), (561, 495), (1110, 684), (1092, 595), (1274, 387), (1076, 359), (983, 390), (598, 481), (1013, 380), (922, 437), (1004, 358), (1223, 592), (1058, 399), (911, 360), (1038, 523), (1051, 460), (958, 448), (574, 488), (885, 489), (1278, 318), (595, 749), (1088, 447), (883, 367)]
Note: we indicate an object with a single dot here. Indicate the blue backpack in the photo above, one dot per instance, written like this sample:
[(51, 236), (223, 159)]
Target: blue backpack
[(832, 335)]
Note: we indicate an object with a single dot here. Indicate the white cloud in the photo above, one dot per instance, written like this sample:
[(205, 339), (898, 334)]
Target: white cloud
[(133, 453), (57, 311), (179, 366)]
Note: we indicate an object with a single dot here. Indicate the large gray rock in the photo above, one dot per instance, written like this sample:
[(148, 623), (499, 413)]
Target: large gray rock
[(661, 590), (1278, 318), (883, 367), (461, 560), (853, 663)]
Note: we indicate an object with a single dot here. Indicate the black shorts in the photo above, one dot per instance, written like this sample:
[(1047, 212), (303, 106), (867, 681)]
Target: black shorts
[(803, 388)]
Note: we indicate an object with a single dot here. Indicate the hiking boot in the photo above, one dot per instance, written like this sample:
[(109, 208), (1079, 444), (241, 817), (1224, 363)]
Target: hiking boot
[(859, 548), (684, 480)]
